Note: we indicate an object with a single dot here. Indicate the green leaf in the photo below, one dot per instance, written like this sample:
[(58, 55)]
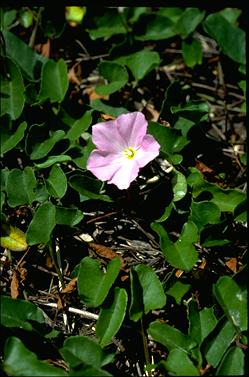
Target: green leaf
[(173, 13), (9, 17), (26, 18), (203, 213), (20, 361), (42, 224), (178, 291), (184, 125), (54, 81), (12, 89), (196, 111), (188, 21), (170, 140), (179, 184), (231, 14), (79, 126), (109, 24), (232, 300), (156, 28), (20, 186), (14, 138), (178, 363), (170, 337), (140, 63), (201, 322), (13, 238), (57, 182), (152, 290), (166, 214), (93, 284), (182, 253), (136, 308), (26, 58), (111, 317), (68, 216), (19, 313), (41, 150), (227, 200), (232, 364), (231, 39), (53, 160), (89, 187), (100, 106), (192, 52), (217, 345), (81, 349), (116, 74)]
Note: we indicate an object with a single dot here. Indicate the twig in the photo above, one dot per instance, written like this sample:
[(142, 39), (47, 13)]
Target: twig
[(83, 313), (33, 35)]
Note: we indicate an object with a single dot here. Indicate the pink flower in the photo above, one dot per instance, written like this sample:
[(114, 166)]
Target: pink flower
[(122, 149)]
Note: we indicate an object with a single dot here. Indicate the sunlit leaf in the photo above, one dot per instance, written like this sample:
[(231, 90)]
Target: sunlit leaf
[(111, 317), (42, 224), (20, 361), (13, 238), (188, 21), (94, 284)]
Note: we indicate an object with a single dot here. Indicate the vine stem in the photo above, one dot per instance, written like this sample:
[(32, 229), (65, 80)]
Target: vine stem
[(145, 346), (34, 32), (58, 271)]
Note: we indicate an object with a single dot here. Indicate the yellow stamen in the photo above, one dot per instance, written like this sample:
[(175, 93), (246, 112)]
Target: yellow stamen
[(129, 153)]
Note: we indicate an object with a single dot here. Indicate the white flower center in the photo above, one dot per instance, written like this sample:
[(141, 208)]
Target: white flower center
[(129, 153)]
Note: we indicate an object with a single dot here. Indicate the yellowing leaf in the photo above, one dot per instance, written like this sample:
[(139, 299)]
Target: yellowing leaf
[(13, 238)]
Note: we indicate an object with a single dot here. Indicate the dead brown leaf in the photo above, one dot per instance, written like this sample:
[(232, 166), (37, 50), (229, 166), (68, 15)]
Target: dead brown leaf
[(105, 252), (70, 286), (179, 273), (232, 263), (14, 285), (90, 90), (74, 74), (203, 167), (43, 48)]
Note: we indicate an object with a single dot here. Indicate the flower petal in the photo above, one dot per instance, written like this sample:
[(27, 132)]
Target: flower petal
[(106, 137), (132, 127), (148, 150), (126, 173), (104, 164)]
